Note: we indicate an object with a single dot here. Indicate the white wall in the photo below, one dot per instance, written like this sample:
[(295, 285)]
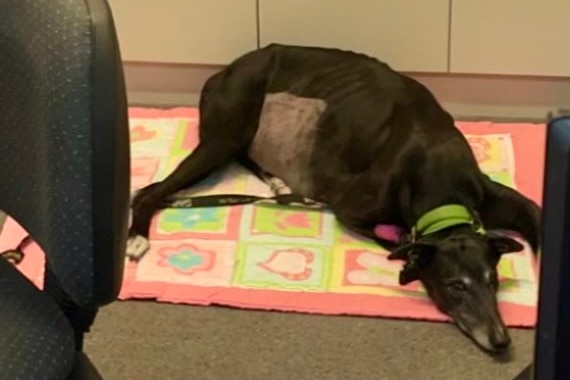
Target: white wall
[(465, 96), (185, 31), (482, 58)]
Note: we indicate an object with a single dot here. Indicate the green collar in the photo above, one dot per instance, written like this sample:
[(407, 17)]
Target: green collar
[(444, 217)]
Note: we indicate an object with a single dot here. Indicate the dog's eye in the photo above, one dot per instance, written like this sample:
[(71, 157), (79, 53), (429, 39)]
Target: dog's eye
[(457, 286)]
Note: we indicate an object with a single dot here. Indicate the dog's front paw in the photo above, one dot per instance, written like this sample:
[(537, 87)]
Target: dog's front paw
[(137, 247), (278, 187)]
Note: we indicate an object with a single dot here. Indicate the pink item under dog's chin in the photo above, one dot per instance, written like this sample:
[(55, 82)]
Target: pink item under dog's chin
[(388, 232)]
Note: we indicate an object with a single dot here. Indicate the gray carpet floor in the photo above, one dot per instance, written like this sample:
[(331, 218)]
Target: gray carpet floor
[(147, 340)]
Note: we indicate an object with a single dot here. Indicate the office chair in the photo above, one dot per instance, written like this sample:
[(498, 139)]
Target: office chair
[(552, 340), (64, 176)]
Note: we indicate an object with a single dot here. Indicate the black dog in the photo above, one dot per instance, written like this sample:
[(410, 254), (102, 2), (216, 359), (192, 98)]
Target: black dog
[(346, 130)]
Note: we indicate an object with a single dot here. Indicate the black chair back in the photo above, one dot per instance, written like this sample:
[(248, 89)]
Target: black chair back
[(64, 153)]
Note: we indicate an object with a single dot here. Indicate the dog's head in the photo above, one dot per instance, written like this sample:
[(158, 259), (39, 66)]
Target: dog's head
[(458, 268)]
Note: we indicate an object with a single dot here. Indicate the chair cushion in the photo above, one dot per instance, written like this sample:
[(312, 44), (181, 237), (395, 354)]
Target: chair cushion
[(36, 340)]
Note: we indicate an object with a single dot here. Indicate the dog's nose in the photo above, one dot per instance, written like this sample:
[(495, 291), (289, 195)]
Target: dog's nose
[(500, 338)]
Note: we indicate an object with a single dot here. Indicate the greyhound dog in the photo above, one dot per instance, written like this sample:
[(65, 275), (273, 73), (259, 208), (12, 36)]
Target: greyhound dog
[(347, 130)]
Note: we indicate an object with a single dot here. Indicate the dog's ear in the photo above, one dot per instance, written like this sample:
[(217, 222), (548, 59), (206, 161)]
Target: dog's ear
[(416, 255), (409, 273), (500, 244), (405, 251)]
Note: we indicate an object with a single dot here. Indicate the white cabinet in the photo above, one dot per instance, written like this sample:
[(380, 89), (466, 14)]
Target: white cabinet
[(510, 37), (410, 35), (513, 37), (185, 31)]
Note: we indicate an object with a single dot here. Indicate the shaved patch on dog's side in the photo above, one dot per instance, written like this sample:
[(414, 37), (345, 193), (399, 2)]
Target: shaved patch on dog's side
[(283, 144)]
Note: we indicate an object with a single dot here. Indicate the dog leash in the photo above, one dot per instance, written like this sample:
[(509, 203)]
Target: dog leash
[(386, 232), (15, 256), (224, 200)]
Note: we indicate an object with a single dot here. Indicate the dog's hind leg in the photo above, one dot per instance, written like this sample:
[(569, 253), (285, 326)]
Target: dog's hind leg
[(198, 165), (229, 119), (505, 208), (277, 185)]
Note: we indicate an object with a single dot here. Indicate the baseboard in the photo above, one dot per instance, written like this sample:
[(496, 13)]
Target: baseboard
[(162, 99), (465, 96)]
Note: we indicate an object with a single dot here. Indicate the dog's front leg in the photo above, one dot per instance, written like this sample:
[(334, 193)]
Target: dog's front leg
[(358, 211), (507, 209), (366, 231), (356, 226)]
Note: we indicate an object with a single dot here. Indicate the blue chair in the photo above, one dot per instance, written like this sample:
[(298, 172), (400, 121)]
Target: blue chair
[(552, 341), (64, 176)]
